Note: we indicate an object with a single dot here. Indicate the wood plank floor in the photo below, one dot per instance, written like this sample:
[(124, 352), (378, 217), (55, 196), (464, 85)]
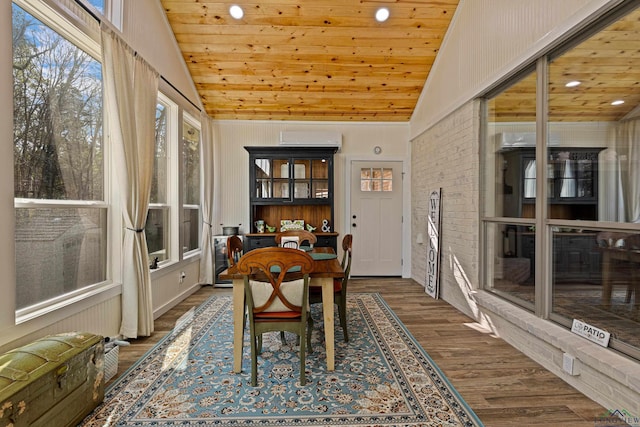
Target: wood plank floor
[(503, 386)]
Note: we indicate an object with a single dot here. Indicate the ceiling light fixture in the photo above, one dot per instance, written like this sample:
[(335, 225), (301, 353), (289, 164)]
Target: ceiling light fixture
[(573, 83), (236, 11), (617, 102), (382, 14)]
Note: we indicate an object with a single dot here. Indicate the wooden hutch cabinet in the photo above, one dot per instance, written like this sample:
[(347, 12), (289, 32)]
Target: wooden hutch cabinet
[(572, 194), (290, 183)]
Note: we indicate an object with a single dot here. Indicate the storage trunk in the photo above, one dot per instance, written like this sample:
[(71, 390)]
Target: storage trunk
[(54, 381)]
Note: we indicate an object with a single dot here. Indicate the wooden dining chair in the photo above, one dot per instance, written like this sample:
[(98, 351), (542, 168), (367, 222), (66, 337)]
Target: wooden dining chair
[(339, 286), (302, 235), (234, 250), (276, 283)]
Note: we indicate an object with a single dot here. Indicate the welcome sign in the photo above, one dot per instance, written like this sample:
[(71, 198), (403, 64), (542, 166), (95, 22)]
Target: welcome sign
[(432, 286)]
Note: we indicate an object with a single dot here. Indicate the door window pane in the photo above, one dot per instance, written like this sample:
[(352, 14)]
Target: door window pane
[(376, 179)]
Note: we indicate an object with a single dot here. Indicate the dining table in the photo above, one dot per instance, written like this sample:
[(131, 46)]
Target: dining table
[(630, 256), (326, 268)]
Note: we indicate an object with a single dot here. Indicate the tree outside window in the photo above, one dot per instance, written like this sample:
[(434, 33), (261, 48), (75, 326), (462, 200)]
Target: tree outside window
[(58, 164)]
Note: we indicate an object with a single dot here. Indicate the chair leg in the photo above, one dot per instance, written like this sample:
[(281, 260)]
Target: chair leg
[(303, 379), (254, 362), (309, 332), (342, 310)]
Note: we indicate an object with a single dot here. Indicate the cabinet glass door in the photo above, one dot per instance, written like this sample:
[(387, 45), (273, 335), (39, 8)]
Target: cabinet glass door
[(574, 172), (301, 178), (320, 179), (272, 178)]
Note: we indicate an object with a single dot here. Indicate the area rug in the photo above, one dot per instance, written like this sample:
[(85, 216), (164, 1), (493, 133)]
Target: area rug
[(382, 377)]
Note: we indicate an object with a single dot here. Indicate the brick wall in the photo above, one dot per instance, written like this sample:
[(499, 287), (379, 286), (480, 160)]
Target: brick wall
[(446, 156)]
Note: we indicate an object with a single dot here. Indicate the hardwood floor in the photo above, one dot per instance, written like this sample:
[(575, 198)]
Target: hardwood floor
[(503, 386)]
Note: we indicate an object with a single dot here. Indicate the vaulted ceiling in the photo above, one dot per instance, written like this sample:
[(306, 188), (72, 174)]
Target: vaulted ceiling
[(310, 60), (331, 60)]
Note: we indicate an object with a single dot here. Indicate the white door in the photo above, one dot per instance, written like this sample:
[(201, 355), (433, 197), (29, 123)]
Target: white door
[(376, 218)]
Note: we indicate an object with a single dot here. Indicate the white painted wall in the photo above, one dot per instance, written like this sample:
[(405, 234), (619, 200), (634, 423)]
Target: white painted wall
[(147, 30), (359, 139)]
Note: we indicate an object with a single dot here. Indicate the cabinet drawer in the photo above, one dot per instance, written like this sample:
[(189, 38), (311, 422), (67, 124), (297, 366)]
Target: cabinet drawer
[(252, 243), (326, 241)]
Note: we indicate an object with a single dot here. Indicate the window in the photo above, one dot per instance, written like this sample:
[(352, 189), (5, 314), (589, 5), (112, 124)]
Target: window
[(376, 179), (560, 210), (97, 4), (510, 186), (190, 185), (157, 227), (60, 237)]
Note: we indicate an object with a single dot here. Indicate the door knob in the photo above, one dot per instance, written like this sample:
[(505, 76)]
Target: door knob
[(354, 217), (353, 225)]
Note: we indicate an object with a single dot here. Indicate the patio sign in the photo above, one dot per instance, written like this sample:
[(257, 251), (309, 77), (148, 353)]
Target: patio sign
[(432, 286), (597, 335)]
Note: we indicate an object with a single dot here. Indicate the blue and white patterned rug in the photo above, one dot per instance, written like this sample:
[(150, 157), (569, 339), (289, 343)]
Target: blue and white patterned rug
[(382, 377)]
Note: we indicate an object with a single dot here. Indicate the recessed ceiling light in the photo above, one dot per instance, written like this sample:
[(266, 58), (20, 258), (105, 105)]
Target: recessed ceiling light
[(617, 102), (236, 11), (382, 14), (573, 83)]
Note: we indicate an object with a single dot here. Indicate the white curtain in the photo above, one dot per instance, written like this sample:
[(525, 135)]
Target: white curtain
[(620, 179), (131, 91), (628, 141), (568, 188), (207, 275), (530, 179), (610, 197)]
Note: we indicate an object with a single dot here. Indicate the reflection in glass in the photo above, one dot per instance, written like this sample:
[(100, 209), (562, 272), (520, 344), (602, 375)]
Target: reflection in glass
[(595, 275), (509, 165), (510, 251)]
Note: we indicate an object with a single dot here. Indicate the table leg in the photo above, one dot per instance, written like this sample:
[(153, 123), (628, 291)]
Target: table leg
[(606, 278), (238, 320), (635, 285), (327, 311)]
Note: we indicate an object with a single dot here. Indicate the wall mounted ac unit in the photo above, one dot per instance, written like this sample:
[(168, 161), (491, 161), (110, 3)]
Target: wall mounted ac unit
[(506, 140), (311, 139)]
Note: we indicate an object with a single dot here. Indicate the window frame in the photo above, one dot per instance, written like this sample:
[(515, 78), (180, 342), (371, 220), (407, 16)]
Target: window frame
[(544, 282), (192, 121), (66, 29)]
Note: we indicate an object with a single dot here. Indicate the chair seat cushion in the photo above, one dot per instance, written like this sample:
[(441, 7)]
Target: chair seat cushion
[(274, 315), (261, 291), (337, 287)]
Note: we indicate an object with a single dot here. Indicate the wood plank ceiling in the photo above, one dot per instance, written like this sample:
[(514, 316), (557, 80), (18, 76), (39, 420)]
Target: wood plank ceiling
[(607, 65), (324, 60)]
